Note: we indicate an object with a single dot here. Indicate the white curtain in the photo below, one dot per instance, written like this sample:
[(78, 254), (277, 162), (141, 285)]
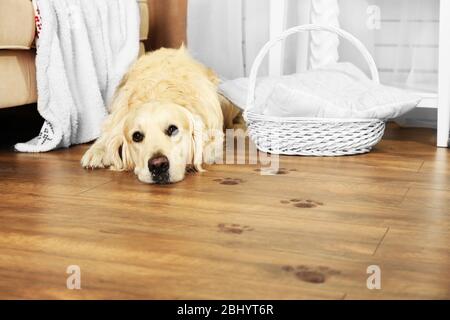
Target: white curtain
[(228, 34), (215, 35), (404, 42), (402, 35)]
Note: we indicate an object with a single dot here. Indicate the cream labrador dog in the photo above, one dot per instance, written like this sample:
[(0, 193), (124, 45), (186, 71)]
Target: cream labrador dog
[(166, 117)]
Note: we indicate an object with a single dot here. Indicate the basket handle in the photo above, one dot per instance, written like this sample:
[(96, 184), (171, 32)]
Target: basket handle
[(307, 27)]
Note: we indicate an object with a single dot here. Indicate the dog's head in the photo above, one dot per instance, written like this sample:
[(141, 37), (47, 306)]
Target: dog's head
[(160, 141)]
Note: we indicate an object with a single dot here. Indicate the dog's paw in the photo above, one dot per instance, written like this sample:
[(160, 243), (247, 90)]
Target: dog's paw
[(212, 150), (93, 158), (209, 154)]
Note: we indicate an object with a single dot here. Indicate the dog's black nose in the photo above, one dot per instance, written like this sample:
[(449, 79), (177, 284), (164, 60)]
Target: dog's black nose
[(158, 165)]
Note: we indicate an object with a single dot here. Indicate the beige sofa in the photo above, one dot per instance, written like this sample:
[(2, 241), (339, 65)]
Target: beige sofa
[(17, 69)]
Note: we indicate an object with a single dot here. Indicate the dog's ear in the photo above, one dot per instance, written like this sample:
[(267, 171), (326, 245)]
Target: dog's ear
[(197, 141), (127, 161), (118, 149), (119, 154)]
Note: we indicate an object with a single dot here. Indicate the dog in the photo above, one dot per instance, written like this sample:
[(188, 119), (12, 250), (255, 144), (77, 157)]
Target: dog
[(166, 117)]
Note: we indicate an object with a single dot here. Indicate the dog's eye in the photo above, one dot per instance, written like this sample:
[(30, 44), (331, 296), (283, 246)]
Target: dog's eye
[(172, 130), (138, 136)]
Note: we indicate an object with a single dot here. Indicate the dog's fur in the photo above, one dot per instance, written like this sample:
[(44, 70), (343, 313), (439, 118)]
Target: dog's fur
[(163, 88)]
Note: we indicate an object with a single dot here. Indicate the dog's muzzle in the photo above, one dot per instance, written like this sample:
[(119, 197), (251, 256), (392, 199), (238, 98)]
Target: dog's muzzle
[(159, 168)]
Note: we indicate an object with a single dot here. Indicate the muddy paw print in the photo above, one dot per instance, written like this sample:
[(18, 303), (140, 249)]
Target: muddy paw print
[(280, 171), (233, 228), (229, 181), (311, 274), (303, 203)]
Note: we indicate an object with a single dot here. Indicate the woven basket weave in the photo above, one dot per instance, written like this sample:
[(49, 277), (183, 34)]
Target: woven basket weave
[(311, 136)]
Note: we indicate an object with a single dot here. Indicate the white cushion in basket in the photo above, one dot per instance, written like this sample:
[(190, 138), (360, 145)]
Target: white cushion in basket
[(340, 90)]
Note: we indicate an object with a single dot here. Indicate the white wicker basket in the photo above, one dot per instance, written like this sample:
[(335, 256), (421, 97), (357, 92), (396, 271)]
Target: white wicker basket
[(311, 136)]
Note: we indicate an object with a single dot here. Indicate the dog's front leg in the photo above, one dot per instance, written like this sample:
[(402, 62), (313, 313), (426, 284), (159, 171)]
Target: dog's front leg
[(213, 147), (95, 156)]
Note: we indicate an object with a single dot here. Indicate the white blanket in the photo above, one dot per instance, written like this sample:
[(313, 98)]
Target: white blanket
[(83, 50)]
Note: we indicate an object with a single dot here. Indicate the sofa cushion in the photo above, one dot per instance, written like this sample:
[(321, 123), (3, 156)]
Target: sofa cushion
[(16, 24), (17, 77), (17, 27), (17, 31)]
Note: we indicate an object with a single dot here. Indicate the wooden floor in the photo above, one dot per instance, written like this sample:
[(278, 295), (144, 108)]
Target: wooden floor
[(309, 232)]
